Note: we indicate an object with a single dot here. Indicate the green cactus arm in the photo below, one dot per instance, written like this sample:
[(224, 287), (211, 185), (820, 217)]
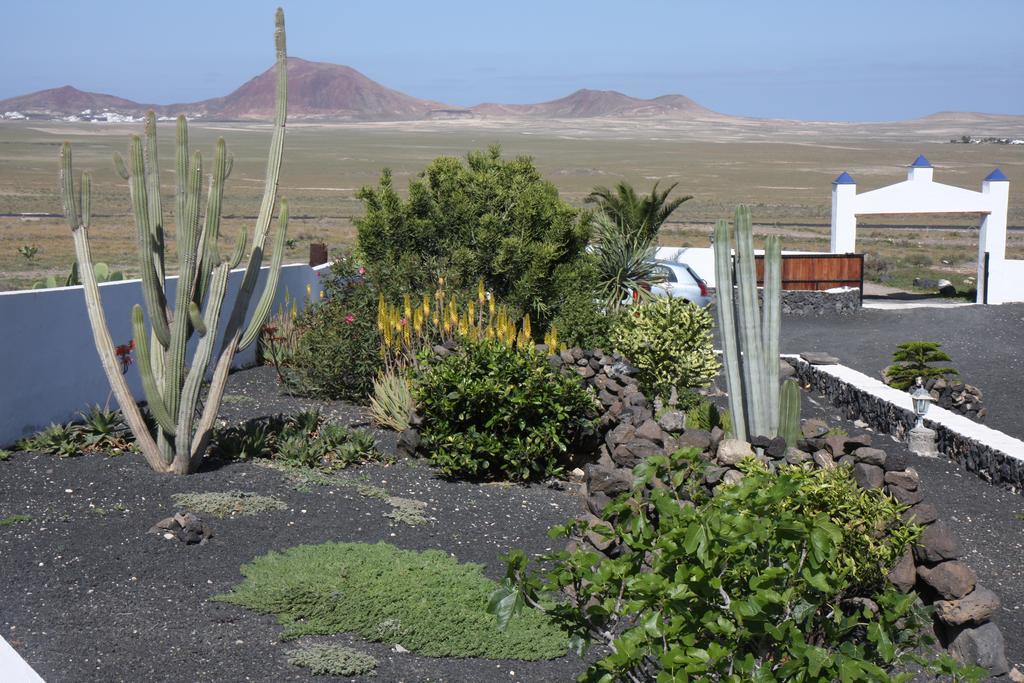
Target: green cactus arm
[(152, 288), (208, 253), (230, 167), (750, 326), (196, 319), (86, 199), (68, 196), (120, 167), (259, 316), (149, 383), (156, 210), (772, 323), (105, 349), (196, 374), (727, 327), (181, 158), (239, 252), (789, 412)]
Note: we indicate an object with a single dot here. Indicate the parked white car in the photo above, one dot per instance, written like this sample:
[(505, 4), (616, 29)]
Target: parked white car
[(680, 280)]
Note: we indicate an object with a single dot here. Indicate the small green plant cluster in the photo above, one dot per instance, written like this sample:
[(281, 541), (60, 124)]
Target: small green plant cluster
[(491, 411), (703, 414), (100, 431), (15, 519), (427, 602), (670, 341), (102, 272), (332, 660), (915, 359), (5, 455), (777, 577), (228, 503), (302, 440), (337, 354)]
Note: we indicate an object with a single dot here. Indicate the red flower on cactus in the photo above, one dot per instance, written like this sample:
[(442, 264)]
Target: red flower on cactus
[(350, 318), (124, 354)]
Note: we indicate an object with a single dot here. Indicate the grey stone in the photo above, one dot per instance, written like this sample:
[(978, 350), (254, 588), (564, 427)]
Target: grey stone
[(440, 351), (952, 580), (732, 477), (785, 370), (868, 476), (903, 496), (823, 460), (620, 434), (819, 358), (922, 513), (976, 607), (408, 442), (695, 438), (597, 502), (813, 428), (586, 372), (673, 421), (795, 456), (937, 544), (907, 479), (983, 646), (595, 539), (776, 448), (650, 430), (847, 460), (904, 574), (634, 452), (894, 462), (713, 475), (732, 451), (870, 456), (612, 482)]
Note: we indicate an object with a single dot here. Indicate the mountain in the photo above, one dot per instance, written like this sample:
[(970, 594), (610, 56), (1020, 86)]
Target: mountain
[(67, 102), (316, 90), (596, 103)]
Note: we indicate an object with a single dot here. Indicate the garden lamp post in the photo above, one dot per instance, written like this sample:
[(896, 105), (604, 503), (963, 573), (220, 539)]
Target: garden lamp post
[(921, 439)]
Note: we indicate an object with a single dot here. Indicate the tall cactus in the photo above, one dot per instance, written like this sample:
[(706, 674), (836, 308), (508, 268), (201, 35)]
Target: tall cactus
[(171, 384), (789, 412), (750, 341)]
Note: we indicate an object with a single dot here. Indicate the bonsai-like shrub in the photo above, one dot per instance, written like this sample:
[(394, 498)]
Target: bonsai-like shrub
[(765, 580), (670, 341), (338, 352), (491, 411), (486, 217), (914, 359)]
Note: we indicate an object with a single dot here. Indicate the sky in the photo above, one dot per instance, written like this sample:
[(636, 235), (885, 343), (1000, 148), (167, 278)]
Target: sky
[(858, 60)]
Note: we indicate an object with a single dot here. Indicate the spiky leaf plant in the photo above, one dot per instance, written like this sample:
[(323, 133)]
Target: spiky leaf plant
[(172, 381)]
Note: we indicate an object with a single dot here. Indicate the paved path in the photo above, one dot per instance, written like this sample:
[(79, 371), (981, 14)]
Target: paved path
[(986, 344), (13, 668)]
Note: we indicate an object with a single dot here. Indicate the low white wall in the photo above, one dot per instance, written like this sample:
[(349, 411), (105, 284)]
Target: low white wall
[(1006, 281), (49, 368)]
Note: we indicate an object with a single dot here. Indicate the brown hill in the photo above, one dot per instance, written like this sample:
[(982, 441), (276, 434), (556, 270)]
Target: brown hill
[(68, 101), (316, 90), (596, 103)]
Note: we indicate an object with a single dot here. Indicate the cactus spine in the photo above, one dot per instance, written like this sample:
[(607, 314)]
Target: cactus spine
[(750, 341), (171, 384)]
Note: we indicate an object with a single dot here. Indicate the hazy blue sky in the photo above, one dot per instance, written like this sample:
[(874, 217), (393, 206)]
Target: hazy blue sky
[(855, 60)]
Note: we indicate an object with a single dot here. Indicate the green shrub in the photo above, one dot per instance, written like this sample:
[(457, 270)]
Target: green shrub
[(488, 217), (491, 411), (703, 414), (392, 403), (427, 602), (764, 581), (670, 341), (914, 359), (582, 320), (338, 351), (332, 660), (305, 439), (5, 454)]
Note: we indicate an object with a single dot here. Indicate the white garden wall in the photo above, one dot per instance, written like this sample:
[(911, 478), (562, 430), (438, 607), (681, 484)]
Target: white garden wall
[(49, 368)]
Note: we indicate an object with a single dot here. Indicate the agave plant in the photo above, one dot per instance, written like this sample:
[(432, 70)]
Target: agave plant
[(625, 262)]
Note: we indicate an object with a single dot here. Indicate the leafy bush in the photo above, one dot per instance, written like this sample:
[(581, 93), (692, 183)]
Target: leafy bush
[(487, 217), (491, 411), (582, 320), (392, 403), (670, 341), (703, 414), (301, 440), (332, 660), (338, 352), (763, 581), (914, 359), (99, 431), (427, 602)]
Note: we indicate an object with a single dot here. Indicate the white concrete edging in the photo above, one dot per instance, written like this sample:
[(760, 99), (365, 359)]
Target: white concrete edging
[(14, 669)]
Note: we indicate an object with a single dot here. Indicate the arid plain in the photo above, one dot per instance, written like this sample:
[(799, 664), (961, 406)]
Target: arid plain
[(783, 169)]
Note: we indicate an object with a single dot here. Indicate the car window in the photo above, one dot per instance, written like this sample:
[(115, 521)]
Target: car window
[(664, 273)]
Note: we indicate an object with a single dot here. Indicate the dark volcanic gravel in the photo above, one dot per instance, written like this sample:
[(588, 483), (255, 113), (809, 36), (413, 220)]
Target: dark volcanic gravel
[(87, 595), (986, 344)]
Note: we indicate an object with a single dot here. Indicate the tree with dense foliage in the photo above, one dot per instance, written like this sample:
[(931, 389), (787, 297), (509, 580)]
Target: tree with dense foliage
[(483, 217), (915, 359), (642, 215)]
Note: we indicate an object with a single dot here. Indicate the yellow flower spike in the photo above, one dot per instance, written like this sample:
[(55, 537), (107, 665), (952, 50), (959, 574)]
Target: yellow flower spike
[(407, 333), (472, 310), (490, 304), (440, 282), (526, 326), (309, 291), (480, 291), (426, 306), (407, 306), (295, 311)]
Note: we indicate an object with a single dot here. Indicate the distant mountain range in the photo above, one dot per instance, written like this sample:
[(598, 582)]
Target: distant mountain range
[(318, 91), (331, 92)]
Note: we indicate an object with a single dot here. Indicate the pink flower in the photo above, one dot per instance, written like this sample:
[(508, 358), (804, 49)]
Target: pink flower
[(362, 271), (350, 318), (402, 322)]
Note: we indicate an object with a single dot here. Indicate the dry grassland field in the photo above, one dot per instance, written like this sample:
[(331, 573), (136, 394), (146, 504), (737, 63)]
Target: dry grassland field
[(782, 169)]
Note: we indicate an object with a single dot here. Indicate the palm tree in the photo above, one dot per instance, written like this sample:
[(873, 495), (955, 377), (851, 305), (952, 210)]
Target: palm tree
[(636, 214), (625, 263)]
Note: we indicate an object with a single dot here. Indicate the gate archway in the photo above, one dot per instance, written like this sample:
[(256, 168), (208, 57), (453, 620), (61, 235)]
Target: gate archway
[(999, 280)]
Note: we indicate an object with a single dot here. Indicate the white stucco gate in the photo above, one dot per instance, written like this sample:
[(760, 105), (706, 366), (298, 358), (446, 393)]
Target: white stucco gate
[(999, 280)]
